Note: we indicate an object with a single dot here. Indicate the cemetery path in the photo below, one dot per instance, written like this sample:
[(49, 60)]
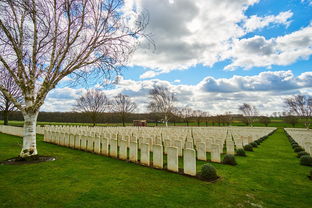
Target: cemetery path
[(268, 177)]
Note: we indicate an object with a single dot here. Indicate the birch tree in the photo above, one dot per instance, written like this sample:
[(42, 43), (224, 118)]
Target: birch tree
[(41, 42), (162, 101)]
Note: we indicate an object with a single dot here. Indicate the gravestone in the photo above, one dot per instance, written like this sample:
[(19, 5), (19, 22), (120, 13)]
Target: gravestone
[(133, 152), (178, 144), (145, 154), (215, 153), (123, 149), (173, 159), (201, 151), (158, 155), (230, 147), (104, 146), (189, 162)]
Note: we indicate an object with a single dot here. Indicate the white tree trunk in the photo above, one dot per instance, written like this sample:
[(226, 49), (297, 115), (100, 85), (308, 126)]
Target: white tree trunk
[(166, 120), (29, 139)]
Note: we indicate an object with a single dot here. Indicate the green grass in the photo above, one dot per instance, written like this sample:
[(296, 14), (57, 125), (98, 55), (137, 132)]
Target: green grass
[(268, 177)]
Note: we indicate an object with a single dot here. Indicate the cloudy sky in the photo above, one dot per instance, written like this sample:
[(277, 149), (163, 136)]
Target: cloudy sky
[(215, 55)]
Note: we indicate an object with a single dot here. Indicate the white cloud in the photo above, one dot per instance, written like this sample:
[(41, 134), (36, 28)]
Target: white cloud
[(188, 33), (254, 22), (260, 52), (265, 90)]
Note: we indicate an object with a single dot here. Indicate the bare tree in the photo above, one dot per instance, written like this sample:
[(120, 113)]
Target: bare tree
[(123, 105), (228, 118), (175, 116), (290, 119), (6, 106), (162, 101), (92, 103), (41, 42), (186, 114), (302, 106), (250, 112), (198, 116), (265, 120)]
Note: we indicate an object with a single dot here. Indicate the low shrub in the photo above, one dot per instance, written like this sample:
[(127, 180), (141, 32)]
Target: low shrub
[(254, 144), (298, 149), (301, 153), (241, 152), (209, 172), (258, 142), (248, 147), (229, 160), (306, 160)]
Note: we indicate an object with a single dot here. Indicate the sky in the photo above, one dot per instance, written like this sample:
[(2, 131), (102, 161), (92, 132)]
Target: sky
[(214, 55)]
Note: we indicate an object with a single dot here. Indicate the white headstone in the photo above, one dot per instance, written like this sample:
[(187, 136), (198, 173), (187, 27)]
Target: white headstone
[(77, 141), (189, 162), (208, 145), (167, 143), (113, 151), (173, 159), (145, 154), (90, 144), (215, 153), (189, 145), (72, 140), (230, 147), (133, 152), (158, 155), (178, 144), (104, 147), (123, 149), (201, 151), (83, 144), (97, 144)]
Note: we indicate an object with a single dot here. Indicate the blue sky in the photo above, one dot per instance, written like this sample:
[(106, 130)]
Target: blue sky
[(203, 47)]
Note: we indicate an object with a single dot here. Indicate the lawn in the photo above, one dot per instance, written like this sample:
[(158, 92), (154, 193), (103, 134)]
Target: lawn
[(269, 177)]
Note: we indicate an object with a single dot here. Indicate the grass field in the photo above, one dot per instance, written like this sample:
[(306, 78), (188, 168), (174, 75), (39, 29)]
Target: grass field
[(269, 177)]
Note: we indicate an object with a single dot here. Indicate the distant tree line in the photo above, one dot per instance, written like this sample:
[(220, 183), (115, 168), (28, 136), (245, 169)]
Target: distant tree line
[(95, 107)]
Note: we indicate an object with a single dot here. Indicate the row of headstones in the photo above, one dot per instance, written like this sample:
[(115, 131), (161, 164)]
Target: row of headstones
[(239, 142), (117, 130), (12, 130), (202, 147), (119, 149), (303, 139)]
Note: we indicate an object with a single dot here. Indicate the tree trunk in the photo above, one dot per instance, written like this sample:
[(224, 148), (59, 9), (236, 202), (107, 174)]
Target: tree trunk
[(123, 121), (29, 139), (5, 117), (166, 121)]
